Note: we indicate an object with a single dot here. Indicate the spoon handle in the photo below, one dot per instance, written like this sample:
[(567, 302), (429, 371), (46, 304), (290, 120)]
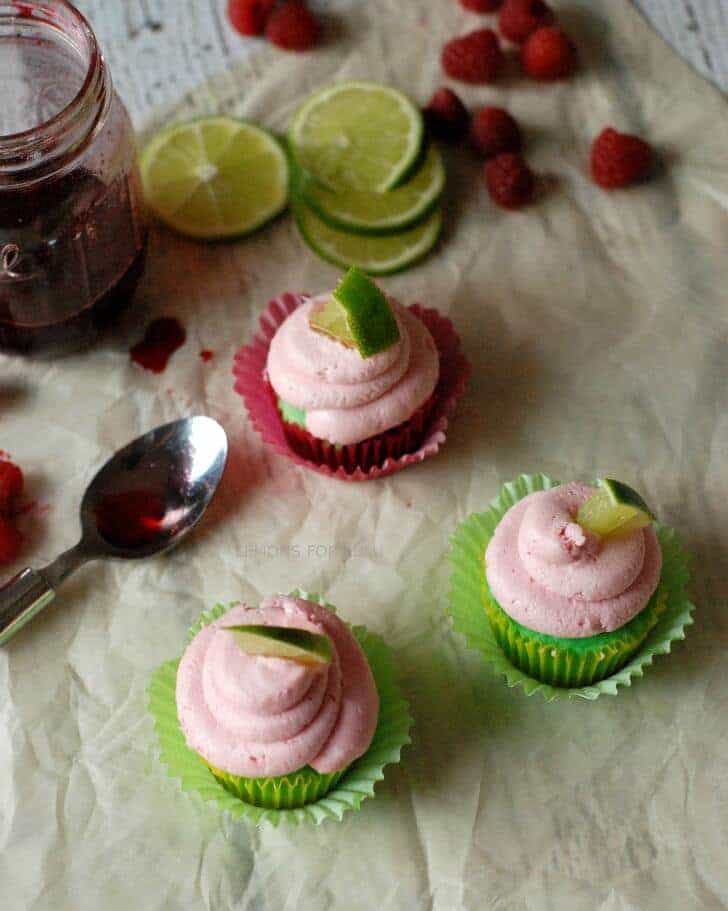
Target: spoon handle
[(21, 599), (33, 589)]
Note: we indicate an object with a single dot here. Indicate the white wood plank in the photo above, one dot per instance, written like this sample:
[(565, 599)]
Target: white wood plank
[(160, 49), (697, 29)]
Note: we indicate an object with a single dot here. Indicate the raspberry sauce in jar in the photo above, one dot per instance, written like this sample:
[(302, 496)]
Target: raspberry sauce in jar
[(72, 228)]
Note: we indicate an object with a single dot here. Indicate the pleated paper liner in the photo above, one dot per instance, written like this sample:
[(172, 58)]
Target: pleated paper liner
[(663, 623), (363, 462), (332, 795), (286, 792), (391, 445)]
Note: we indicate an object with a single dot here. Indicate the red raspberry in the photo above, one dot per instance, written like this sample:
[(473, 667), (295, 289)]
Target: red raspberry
[(494, 131), (11, 486), (509, 180), (548, 54), (10, 542), (293, 27), (475, 57), (249, 17), (518, 18), (618, 159), (481, 6), (446, 117)]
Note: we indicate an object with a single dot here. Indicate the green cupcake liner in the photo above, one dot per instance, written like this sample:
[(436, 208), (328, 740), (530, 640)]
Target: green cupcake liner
[(331, 795), (285, 792), (570, 662), (660, 624)]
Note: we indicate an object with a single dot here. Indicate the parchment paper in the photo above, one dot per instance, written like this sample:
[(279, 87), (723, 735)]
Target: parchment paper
[(596, 324)]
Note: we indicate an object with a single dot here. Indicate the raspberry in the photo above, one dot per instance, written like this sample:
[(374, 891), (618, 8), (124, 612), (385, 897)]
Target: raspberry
[(518, 18), (475, 57), (249, 17), (10, 541), (509, 180), (481, 6), (493, 131), (446, 116), (618, 159), (11, 486), (293, 27), (548, 54)]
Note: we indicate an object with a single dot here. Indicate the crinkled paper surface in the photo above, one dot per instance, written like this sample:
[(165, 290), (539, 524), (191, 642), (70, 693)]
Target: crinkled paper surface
[(596, 325)]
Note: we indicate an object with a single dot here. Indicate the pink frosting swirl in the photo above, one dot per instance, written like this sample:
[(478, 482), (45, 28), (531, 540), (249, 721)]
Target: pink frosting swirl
[(552, 576), (256, 717), (348, 398)]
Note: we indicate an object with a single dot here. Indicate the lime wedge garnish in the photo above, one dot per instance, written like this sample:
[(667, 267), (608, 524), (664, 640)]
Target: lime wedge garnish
[(614, 510), (298, 645), (378, 213), (331, 319), (376, 255), (214, 178), (359, 135), (358, 315)]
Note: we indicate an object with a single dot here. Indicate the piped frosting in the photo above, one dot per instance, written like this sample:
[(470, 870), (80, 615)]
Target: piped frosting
[(348, 398), (256, 716), (552, 576)]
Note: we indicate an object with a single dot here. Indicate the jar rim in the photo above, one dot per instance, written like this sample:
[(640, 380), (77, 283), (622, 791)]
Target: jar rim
[(82, 114)]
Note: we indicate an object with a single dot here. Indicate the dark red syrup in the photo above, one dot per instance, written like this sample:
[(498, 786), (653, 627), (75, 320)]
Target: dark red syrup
[(131, 519), (76, 253), (206, 355), (162, 338)]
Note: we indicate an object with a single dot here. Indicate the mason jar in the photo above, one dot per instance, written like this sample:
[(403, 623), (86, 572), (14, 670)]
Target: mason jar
[(72, 227)]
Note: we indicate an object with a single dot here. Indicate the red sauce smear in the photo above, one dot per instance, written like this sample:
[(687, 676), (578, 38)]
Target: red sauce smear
[(206, 355), (162, 338)]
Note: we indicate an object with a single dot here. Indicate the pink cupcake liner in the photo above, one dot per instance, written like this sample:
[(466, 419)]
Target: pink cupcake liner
[(360, 462), (370, 453)]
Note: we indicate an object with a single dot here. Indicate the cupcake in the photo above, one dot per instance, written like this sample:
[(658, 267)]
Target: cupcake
[(574, 580), (278, 701), (356, 381), (569, 606)]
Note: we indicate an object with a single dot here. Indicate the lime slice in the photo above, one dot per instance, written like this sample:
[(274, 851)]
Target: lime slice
[(375, 255), (359, 135), (214, 178), (358, 315), (298, 645), (614, 510), (379, 213)]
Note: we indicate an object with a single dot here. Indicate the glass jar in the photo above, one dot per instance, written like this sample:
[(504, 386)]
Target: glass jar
[(72, 227)]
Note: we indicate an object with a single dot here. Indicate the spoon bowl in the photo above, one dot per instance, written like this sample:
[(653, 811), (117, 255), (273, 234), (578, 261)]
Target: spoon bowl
[(144, 501), (154, 491)]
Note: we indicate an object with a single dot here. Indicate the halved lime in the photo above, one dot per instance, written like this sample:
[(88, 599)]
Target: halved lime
[(298, 645), (358, 315), (215, 178), (359, 135), (378, 213), (377, 255), (614, 510)]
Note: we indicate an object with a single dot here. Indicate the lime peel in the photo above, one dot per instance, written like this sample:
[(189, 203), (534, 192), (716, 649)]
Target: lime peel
[(362, 212), (358, 315), (361, 135), (380, 255), (289, 643), (215, 178), (614, 510)]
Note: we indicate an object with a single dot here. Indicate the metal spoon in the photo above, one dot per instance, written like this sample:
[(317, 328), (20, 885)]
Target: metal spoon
[(142, 502)]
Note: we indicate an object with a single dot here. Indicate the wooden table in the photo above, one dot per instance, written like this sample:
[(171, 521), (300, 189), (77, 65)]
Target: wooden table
[(158, 49)]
